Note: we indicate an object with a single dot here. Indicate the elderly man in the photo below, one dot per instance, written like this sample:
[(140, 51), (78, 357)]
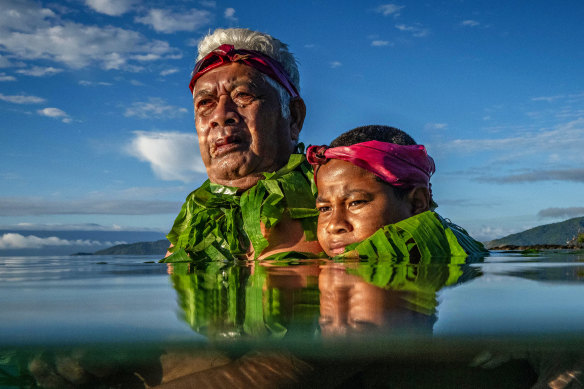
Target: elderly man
[(259, 199)]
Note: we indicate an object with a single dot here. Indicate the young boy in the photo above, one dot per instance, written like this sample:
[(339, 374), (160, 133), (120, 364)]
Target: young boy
[(375, 198)]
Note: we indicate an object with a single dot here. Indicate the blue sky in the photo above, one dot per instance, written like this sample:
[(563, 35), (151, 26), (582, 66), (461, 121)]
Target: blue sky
[(97, 125)]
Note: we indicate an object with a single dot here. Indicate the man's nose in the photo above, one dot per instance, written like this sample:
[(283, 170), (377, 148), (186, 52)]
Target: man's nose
[(338, 222), (225, 112)]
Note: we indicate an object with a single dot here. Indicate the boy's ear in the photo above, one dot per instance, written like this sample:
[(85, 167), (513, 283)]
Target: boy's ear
[(297, 115), (419, 199)]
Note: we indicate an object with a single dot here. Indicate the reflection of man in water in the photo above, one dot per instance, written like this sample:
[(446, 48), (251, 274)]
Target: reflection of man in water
[(248, 116)]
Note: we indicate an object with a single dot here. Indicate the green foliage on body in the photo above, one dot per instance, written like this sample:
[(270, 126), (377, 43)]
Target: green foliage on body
[(218, 223)]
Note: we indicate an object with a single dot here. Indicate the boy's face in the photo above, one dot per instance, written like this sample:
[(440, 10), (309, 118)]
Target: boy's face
[(353, 205)]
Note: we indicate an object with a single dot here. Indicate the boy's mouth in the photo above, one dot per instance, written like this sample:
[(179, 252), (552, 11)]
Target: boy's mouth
[(337, 248)]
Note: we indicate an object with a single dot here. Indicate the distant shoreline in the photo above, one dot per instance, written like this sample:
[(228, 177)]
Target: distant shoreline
[(510, 247)]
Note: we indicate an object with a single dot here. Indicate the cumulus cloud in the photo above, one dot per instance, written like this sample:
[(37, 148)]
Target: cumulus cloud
[(55, 113), (32, 206), (172, 155), (39, 71), (556, 213), (416, 30), (469, 23), (154, 108), (22, 99), (229, 14), (30, 32), (110, 7), (379, 43), (18, 241), (390, 9), (335, 64), (4, 77), (166, 21)]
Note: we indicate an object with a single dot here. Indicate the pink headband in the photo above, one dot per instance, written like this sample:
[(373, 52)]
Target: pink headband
[(226, 54), (398, 165)]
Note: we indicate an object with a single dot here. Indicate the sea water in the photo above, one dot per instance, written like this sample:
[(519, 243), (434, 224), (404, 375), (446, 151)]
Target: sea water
[(508, 320)]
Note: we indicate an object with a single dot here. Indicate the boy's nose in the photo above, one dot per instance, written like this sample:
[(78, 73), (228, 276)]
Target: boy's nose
[(338, 223)]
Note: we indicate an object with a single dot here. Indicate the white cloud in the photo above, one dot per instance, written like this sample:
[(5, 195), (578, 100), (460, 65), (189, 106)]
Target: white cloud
[(94, 83), (435, 126), (335, 64), (23, 15), (172, 155), (470, 23), (154, 108), (30, 32), (167, 22), (22, 99), (379, 43), (417, 31), (208, 3), (389, 9), (168, 72), (110, 7), (5, 77), (566, 139), (55, 113), (38, 71), (18, 241), (229, 14)]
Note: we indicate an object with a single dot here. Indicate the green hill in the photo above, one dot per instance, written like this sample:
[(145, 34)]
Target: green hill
[(548, 234), (141, 248)]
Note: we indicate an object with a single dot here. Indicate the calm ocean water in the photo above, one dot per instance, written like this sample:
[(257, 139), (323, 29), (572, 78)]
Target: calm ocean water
[(441, 311)]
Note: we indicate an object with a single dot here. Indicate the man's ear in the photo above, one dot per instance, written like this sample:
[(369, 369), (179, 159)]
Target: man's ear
[(419, 199), (297, 115)]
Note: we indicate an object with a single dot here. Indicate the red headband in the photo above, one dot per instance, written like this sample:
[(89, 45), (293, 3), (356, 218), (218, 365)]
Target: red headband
[(226, 54), (398, 165)]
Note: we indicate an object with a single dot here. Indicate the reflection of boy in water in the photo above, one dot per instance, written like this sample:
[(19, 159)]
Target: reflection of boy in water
[(371, 179), (349, 305)]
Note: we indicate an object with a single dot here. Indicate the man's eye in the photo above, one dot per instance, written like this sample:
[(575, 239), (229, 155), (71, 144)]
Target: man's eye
[(244, 97), (324, 209), (204, 102)]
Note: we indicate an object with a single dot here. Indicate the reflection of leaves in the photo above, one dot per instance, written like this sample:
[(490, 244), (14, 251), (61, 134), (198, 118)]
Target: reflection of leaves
[(224, 299)]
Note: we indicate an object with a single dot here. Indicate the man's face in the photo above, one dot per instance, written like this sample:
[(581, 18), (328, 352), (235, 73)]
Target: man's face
[(240, 126), (353, 205)]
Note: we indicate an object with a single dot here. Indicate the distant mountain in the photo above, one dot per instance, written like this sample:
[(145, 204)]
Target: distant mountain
[(34, 242), (548, 234), (141, 248)]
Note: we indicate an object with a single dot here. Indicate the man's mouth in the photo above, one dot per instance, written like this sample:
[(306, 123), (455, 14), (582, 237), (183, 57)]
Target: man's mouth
[(226, 145)]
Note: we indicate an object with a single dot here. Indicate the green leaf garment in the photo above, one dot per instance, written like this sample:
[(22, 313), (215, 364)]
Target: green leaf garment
[(217, 223)]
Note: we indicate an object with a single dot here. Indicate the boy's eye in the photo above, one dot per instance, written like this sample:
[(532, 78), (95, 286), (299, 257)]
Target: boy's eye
[(356, 203)]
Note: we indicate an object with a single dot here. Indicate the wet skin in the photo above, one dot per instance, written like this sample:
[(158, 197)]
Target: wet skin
[(353, 204), (240, 127)]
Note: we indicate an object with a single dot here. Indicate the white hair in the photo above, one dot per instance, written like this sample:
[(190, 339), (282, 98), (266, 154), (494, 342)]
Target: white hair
[(243, 38)]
